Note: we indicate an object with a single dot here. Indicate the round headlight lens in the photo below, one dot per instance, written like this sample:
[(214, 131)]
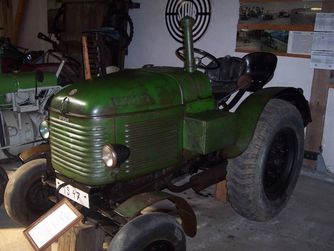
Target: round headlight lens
[(44, 129), (109, 156)]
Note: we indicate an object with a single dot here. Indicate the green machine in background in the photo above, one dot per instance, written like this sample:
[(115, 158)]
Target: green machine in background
[(117, 141), (23, 100)]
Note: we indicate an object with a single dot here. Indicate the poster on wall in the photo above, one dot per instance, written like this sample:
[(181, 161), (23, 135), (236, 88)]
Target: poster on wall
[(281, 27), (262, 40), (297, 12)]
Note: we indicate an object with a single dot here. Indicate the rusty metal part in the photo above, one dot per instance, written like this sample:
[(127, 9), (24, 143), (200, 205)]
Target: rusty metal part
[(133, 206), (207, 178), (177, 188), (200, 181), (35, 152), (244, 82)]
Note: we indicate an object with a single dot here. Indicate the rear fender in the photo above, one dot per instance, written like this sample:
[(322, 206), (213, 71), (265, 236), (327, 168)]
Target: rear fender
[(132, 207), (250, 109)]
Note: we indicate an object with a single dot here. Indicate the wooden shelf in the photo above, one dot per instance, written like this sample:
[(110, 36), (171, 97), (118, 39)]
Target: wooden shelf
[(268, 26), (276, 53)]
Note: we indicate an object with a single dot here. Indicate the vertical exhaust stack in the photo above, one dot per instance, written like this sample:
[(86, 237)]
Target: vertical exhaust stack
[(187, 25)]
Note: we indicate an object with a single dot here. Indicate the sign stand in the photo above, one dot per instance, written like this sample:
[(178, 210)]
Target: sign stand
[(62, 223), (81, 237)]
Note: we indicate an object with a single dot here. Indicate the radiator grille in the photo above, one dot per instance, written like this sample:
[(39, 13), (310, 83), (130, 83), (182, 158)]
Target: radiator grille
[(154, 144), (77, 148)]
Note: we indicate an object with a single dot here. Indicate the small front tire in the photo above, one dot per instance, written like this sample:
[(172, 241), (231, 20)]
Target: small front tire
[(150, 232), (26, 198), (3, 183)]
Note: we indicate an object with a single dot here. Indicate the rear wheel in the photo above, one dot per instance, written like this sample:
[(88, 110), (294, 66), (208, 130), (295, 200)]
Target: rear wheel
[(25, 196), (150, 232), (261, 180)]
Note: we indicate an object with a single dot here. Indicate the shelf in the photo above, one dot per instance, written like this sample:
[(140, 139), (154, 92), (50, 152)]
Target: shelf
[(276, 53), (271, 1), (266, 26)]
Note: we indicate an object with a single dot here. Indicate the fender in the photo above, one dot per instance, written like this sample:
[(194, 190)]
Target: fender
[(250, 109), (134, 205), (35, 152)]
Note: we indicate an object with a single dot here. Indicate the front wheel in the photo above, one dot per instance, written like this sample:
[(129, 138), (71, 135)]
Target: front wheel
[(261, 180), (150, 232), (25, 196), (3, 183)]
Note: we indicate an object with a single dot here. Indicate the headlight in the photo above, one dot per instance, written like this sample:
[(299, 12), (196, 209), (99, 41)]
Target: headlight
[(44, 129), (114, 155), (109, 156)]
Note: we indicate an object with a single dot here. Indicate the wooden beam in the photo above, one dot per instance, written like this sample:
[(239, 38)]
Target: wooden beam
[(318, 104), (85, 57), (221, 191), (7, 18), (18, 20)]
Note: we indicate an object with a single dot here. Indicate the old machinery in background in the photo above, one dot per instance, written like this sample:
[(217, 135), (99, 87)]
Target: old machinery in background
[(97, 18), (118, 140)]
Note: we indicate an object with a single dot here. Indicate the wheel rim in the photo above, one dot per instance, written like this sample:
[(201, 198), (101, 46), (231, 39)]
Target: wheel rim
[(279, 164), (37, 197), (160, 246)]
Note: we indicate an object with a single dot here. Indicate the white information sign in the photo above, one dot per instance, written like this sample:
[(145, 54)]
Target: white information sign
[(322, 60), (322, 56), (300, 42), (52, 224), (323, 41), (324, 22)]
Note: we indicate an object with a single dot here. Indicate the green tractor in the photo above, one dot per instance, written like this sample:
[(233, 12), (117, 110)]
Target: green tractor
[(119, 143)]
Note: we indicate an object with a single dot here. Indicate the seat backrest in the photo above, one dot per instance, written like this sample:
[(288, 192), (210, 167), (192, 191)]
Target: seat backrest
[(229, 71), (261, 67)]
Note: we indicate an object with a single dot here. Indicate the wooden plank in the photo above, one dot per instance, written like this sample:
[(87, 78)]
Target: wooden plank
[(85, 57), (18, 21), (283, 54), (221, 191), (82, 238), (268, 26)]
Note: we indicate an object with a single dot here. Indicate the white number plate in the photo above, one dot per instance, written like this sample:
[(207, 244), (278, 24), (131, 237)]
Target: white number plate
[(73, 193)]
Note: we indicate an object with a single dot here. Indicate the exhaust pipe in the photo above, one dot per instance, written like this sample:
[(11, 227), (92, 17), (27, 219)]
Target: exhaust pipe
[(187, 24), (200, 181)]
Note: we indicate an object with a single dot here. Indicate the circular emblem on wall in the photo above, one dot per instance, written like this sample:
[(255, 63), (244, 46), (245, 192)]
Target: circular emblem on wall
[(200, 10)]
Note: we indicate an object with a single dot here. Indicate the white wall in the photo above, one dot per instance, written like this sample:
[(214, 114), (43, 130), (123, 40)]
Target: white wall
[(153, 44), (34, 21)]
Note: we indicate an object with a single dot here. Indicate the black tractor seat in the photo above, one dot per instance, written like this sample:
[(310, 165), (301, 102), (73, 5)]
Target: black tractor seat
[(249, 73)]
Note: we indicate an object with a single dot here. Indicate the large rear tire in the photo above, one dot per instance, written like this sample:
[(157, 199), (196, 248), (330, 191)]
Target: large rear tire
[(261, 180), (150, 232), (25, 196)]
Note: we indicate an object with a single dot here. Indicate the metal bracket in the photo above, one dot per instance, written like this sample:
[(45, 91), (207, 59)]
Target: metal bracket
[(310, 155)]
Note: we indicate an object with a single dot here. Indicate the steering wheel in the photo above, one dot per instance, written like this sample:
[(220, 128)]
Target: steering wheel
[(200, 55)]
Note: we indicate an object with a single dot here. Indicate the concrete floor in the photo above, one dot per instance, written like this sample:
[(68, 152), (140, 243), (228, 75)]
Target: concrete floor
[(307, 223)]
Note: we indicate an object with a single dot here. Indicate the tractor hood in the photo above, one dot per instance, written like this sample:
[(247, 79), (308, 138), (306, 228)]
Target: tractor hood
[(132, 90), (12, 82)]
